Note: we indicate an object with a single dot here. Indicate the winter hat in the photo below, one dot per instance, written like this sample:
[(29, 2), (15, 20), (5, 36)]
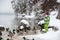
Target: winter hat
[(47, 12)]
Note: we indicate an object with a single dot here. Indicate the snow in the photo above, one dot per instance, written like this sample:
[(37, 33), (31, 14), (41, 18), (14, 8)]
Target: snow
[(50, 35), (53, 21), (33, 13), (53, 14), (25, 22), (21, 27), (29, 16), (41, 22), (58, 1), (1, 25)]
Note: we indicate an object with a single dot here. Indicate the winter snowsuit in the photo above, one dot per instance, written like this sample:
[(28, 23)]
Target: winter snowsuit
[(46, 24)]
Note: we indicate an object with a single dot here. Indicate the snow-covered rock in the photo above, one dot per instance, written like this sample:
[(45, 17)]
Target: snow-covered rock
[(25, 22), (21, 27), (41, 22)]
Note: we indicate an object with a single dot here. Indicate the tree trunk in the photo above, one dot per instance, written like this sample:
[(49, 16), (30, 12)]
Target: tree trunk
[(35, 1), (58, 16)]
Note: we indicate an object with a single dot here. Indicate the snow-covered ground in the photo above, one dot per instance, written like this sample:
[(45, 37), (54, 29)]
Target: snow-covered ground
[(50, 35), (53, 21)]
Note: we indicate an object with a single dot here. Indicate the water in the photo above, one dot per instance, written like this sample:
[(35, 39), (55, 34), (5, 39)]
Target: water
[(8, 21)]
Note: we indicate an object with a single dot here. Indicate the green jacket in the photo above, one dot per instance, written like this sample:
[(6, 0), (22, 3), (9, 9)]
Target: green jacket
[(46, 23)]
